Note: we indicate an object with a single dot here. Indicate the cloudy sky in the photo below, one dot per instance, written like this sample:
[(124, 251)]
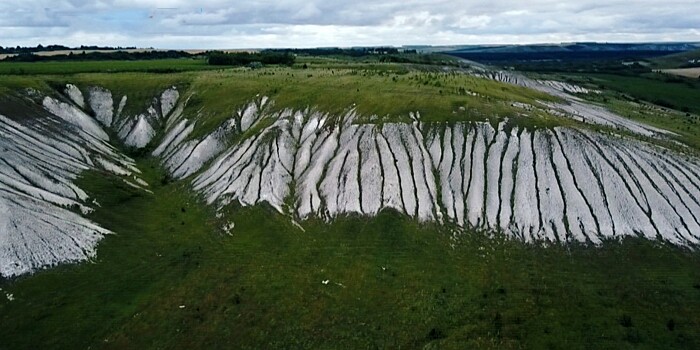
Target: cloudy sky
[(182, 24)]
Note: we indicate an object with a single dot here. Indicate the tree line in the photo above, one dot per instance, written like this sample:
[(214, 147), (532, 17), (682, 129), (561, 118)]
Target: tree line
[(41, 48), (351, 52), (99, 56), (219, 58)]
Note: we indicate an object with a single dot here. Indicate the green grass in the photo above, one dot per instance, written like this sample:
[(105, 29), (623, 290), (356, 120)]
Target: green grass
[(390, 94), (685, 125), (676, 60), (678, 93), (388, 90), (74, 67), (647, 99), (394, 283)]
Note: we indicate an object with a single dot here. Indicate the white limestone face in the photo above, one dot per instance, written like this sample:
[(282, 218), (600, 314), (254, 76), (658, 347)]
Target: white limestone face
[(75, 95), (141, 133), (75, 117), (168, 99), (40, 206), (573, 106), (100, 100), (557, 185)]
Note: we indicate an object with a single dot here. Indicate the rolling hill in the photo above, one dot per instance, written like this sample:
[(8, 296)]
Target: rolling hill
[(266, 155)]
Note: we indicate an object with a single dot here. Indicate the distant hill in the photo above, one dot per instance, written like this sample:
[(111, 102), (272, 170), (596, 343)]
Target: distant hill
[(687, 59), (569, 51)]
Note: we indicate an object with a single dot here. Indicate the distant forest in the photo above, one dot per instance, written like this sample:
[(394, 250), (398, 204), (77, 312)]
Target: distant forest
[(220, 58), (41, 48), (560, 55), (351, 52), (100, 56)]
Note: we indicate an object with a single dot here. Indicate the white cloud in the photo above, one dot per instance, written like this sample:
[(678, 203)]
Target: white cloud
[(285, 23)]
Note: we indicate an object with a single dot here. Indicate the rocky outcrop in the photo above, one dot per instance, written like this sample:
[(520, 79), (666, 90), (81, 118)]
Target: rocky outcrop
[(41, 155), (560, 184)]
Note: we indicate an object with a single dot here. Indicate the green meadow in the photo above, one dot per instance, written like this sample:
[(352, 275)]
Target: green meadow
[(170, 277)]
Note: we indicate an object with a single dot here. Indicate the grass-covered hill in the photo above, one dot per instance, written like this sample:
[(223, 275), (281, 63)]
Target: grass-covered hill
[(348, 204)]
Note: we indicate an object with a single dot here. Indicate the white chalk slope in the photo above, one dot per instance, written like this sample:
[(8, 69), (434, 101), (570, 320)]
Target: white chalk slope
[(560, 184), (42, 151), (135, 130), (574, 106)]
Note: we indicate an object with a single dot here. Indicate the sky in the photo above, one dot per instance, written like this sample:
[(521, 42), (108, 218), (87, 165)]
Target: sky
[(218, 24)]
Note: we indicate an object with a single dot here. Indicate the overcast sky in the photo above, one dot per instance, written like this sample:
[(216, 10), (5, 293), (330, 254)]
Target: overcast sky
[(181, 24)]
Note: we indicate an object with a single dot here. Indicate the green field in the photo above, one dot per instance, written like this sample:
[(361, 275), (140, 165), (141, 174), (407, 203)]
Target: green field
[(379, 92), (171, 278), (74, 67)]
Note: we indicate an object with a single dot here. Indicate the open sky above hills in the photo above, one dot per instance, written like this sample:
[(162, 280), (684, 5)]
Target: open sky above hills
[(183, 24)]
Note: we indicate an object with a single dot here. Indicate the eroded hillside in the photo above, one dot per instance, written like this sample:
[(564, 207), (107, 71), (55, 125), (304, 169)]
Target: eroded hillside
[(344, 206), (540, 167)]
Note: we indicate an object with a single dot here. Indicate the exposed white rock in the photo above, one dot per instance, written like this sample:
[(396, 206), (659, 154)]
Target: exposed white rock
[(573, 106), (138, 131), (475, 193), (39, 160), (174, 137), (197, 155), (75, 117), (113, 168), (566, 87), (100, 100), (168, 99), (552, 205), (122, 104), (507, 185), (558, 185), (141, 133), (391, 189), (36, 234), (75, 95), (493, 175)]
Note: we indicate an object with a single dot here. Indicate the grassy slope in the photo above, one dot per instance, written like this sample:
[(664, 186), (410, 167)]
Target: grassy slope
[(633, 97), (391, 93), (678, 93), (404, 284), (393, 283), (675, 60)]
